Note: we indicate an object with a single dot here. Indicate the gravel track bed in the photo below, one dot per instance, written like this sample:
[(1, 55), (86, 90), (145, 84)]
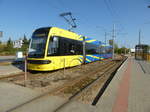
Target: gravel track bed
[(65, 83)]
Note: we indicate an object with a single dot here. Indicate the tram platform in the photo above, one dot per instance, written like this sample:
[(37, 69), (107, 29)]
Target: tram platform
[(129, 90)]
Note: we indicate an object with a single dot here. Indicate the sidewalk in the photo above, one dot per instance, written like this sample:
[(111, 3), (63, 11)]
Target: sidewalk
[(145, 65), (7, 58), (9, 70), (129, 90), (12, 95)]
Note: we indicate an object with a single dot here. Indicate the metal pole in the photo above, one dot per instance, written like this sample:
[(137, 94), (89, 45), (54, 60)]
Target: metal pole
[(100, 51), (64, 65), (25, 69), (105, 42), (84, 53), (139, 37), (105, 38), (113, 38)]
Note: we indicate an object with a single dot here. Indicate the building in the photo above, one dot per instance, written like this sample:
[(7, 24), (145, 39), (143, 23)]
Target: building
[(18, 43)]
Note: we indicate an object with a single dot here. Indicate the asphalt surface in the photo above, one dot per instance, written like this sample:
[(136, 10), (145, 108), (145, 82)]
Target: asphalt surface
[(7, 58), (145, 66)]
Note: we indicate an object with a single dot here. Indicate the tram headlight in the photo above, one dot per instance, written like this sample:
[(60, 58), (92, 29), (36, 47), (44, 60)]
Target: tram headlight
[(45, 61)]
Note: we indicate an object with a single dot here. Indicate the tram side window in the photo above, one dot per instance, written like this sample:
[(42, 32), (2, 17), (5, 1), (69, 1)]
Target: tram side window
[(65, 48), (108, 50), (79, 48), (91, 49), (53, 46), (70, 47), (102, 50), (76, 47)]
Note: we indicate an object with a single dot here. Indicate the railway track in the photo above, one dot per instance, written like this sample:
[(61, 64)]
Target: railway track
[(110, 70), (76, 87), (20, 76), (88, 77)]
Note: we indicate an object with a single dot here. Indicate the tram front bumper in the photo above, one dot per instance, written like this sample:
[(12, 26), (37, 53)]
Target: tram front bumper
[(39, 67)]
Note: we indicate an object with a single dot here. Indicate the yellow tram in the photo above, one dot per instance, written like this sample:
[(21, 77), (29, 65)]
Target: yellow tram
[(53, 48)]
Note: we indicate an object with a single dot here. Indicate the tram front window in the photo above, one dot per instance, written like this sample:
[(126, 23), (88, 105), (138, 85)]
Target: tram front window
[(37, 46)]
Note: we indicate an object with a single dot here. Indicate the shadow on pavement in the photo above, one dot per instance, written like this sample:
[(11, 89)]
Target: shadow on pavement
[(19, 65)]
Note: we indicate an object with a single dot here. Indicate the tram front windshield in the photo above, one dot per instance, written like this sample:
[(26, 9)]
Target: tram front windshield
[(37, 46)]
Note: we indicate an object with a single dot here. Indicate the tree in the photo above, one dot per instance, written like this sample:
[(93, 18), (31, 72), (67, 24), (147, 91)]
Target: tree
[(25, 45), (123, 50), (2, 47), (111, 42), (8, 48), (9, 45), (115, 46), (25, 40)]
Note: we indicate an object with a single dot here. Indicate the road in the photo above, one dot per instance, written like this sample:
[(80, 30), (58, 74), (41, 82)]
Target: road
[(7, 58)]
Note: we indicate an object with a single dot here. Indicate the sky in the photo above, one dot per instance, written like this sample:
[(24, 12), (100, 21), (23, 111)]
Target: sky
[(93, 18)]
